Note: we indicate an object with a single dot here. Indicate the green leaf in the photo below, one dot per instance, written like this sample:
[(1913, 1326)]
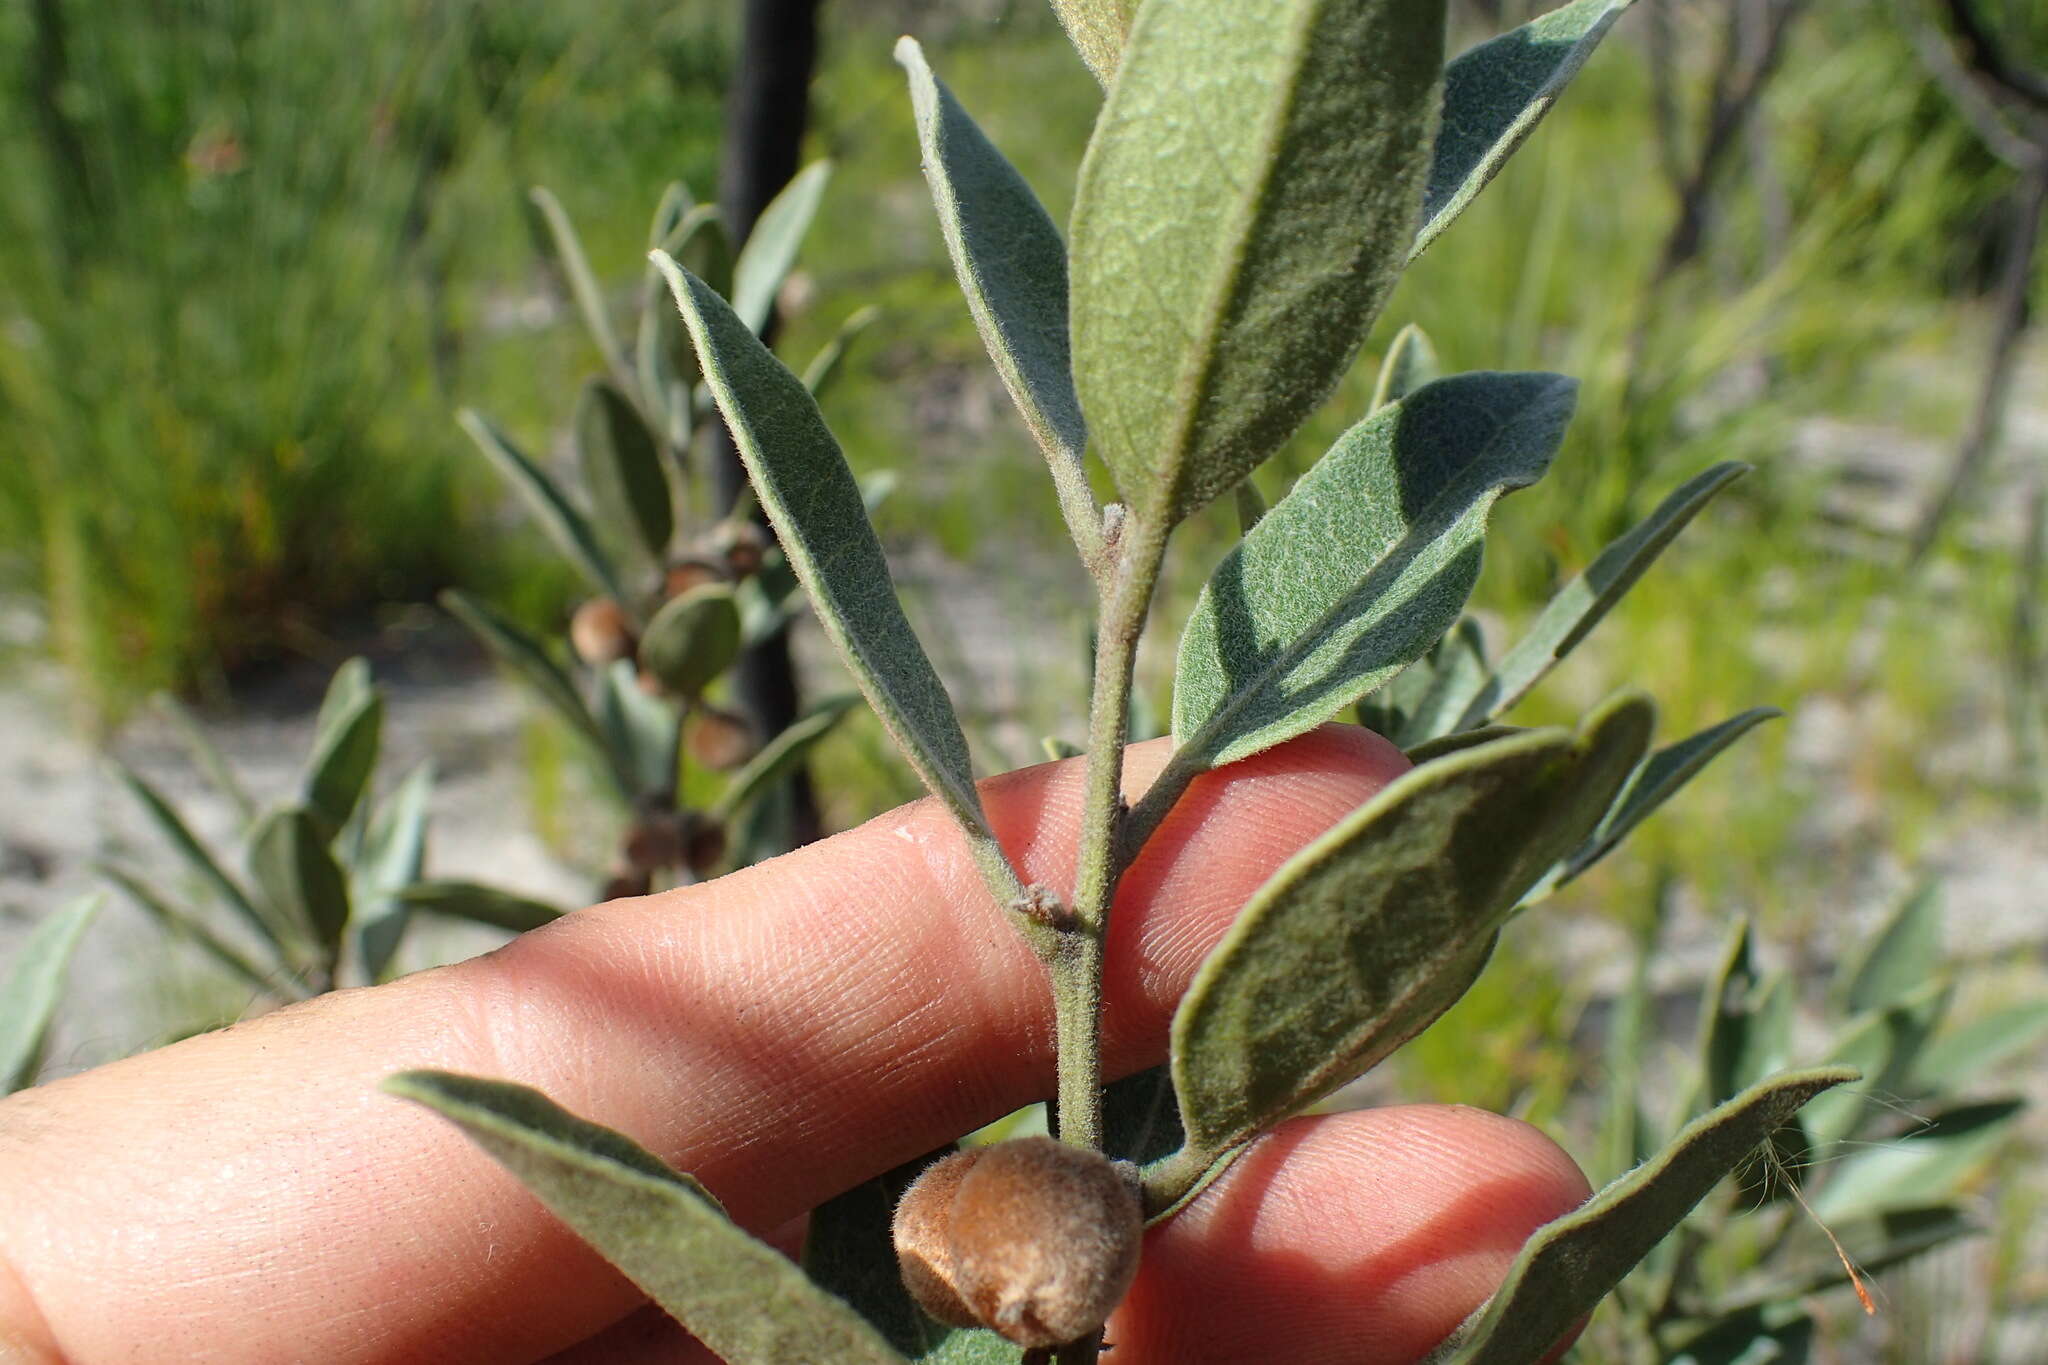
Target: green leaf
[(780, 755), (1337, 960), (770, 250), (675, 204), (582, 282), (207, 755), (703, 245), (34, 985), (280, 936), (642, 728), (1495, 94), (1571, 615), (1771, 1334), (849, 1252), (1057, 749), (1571, 1263), (1362, 566), (737, 1295), (1927, 1166), (810, 495), (1886, 1047), (479, 904), (621, 463), (1432, 749), (1725, 1004), (1900, 958), (558, 516), (973, 1348), (1097, 28), (1984, 1045), (345, 741), (1251, 505), (1455, 665), (394, 856), (182, 923), (1009, 258), (693, 638), (1243, 211), (1659, 779), (288, 859), (1410, 363), (826, 364), (527, 658)]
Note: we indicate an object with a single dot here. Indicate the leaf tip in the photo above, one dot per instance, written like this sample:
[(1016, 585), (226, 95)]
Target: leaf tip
[(908, 52)]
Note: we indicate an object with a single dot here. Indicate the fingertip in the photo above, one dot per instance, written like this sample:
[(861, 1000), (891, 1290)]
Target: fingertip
[(1362, 1237)]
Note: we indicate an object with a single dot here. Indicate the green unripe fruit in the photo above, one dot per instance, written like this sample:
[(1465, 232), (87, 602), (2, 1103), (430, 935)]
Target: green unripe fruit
[(1045, 1240), (922, 1232)]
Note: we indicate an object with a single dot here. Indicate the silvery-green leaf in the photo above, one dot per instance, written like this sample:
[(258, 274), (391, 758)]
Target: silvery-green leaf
[(33, 985), (1251, 505), (394, 856), (1568, 1266), (1725, 1005), (182, 923), (479, 904), (557, 515), (288, 859), (1322, 974), (1456, 665), (1011, 265), (780, 755), (1659, 779), (810, 495), (973, 1348), (582, 282), (1432, 749), (1571, 615), (1887, 1047), (529, 659), (826, 364), (848, 1252), (621, 463), (703, 246), (1243, 211), (1926, 1166), (1983, 1044), (1900, 958), (737, 1295), (1362, 566), (1097, 28), (770, 249), (675, 203), (1058, 750), (642, 728), (1410, 363), (693, 638), (207, 755), (1495, 94), (345, 741), (278, 935)]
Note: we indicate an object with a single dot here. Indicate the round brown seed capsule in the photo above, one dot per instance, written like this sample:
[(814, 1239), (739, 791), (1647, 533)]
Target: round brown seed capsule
[(600, 632), (1045, 1240), (743, 544), (719, 739), (924, 1253), (693, 572)]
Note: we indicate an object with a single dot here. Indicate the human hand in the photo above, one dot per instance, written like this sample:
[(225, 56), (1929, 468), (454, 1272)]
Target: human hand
[(783, 1034)]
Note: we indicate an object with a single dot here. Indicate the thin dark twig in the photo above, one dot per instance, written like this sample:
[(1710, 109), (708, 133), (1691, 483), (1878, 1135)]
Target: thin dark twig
[(1983, 52)]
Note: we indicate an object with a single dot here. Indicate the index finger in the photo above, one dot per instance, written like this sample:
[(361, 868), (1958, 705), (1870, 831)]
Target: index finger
[(782, 1034)]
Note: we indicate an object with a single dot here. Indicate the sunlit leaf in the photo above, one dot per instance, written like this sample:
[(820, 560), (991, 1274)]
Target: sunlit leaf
[(736, 1294), (1887, 1047), (480, 904), (566, 526), (770, 249), (1237, 226), (394, 856), (1410, 362), (33, 986), (1097, 28), (346, 736), (1929, 1165), (282, 938), (180, 922), (583, 283), (1899, 958), (289, 860), (1984, 1044), (779, 756)]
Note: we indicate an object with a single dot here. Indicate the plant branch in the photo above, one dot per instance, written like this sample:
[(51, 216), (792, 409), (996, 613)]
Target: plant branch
[(1983, 53)]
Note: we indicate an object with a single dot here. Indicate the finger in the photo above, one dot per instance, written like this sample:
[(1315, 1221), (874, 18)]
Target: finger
[(782, 1033), (1362, 1238)]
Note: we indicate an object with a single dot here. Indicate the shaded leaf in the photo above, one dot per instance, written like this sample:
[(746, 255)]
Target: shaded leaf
[(1773, 1334), (849, 1252), (279, 936), (1900, 958), (1362, 566), (1660, 779), (182, 923), (1410, 362), (583, 284), (693, 638), (394, 856), (973, 1348), (1581, 604), (779, 756), (1335, 961), (770, 250), (1251, 505), (1726, 1003), (825, 365), (346, 736), (1455, 665), (621, 464), (1141, 1118), (1436, 748), (643, 728), (479, 904), (1495, 94), (737, 1295), (675, 204), (1571, 1263), (1010, 261), (1237, 226), (810, 495), (557, 515), (33, 986), (1927, 1166), (288, 859), (1097, 28)]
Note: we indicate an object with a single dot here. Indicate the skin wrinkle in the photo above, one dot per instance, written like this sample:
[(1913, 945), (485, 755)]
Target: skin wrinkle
[(375, 1202)]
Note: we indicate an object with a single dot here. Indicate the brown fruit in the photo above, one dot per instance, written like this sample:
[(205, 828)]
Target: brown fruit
[(924, 1217), (620, 885), (743, 544), (656, 840), (1045, 1240), (705, 846), (600, 632), (719, 739), (693, 572)]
